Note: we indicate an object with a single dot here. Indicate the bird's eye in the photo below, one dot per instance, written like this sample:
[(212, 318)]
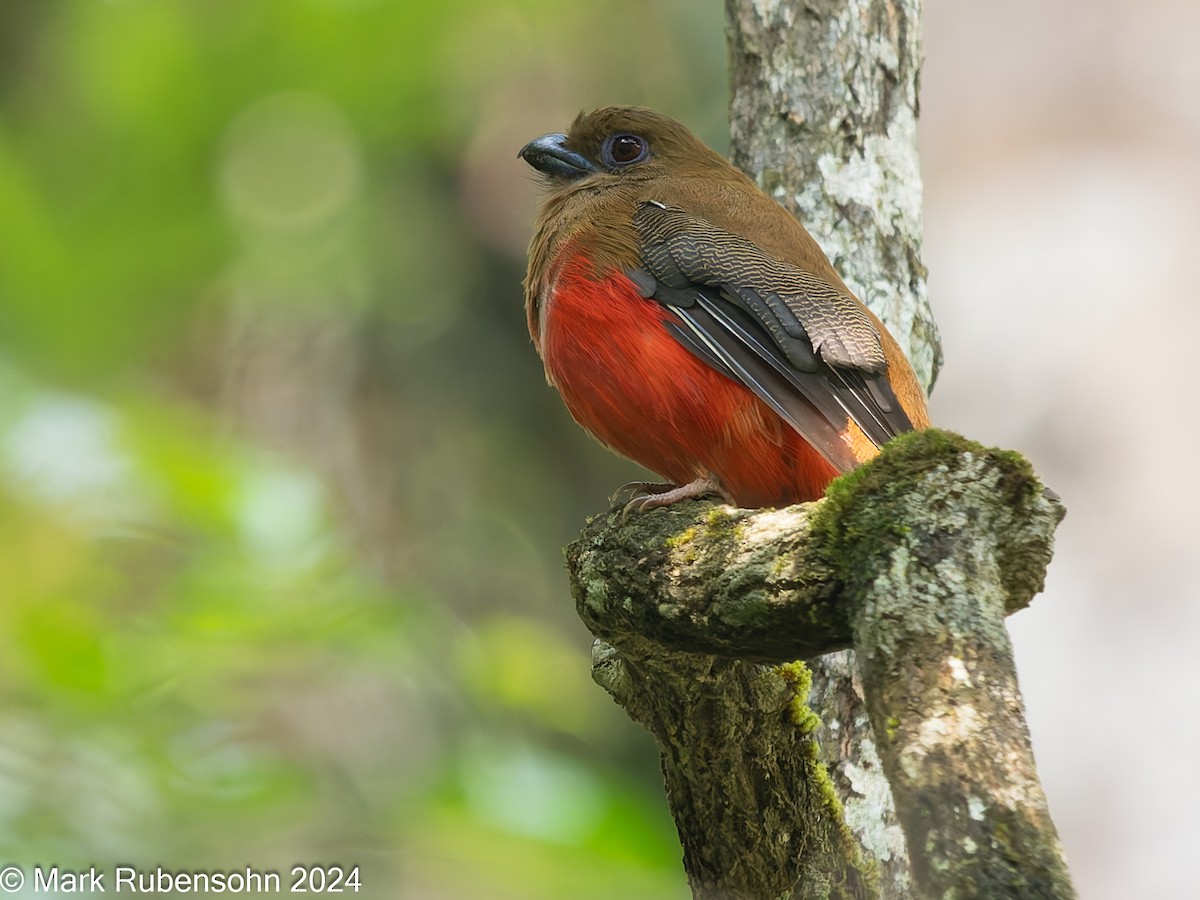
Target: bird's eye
[(624, 150)]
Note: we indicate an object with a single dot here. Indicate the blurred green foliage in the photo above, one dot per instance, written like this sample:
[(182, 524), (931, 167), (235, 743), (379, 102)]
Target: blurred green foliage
[(282, 490)]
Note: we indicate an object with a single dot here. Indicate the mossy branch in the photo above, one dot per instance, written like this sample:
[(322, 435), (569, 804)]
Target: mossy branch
[(914, 560), (769, 585)]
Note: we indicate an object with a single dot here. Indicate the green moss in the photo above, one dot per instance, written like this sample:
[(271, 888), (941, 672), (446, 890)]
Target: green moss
[(912, 455), (860, 870), (859, 508), (675, 541), (1017, 479), (799, 679), (893, 725), (720, 524), (718, 527)]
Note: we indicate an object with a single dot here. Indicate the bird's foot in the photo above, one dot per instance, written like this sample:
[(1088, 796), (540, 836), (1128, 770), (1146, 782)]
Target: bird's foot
[(704, 486), (632, 489)]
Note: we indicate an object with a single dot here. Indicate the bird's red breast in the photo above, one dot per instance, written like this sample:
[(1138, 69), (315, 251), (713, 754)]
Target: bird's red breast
[(692, 325), (642, 393)]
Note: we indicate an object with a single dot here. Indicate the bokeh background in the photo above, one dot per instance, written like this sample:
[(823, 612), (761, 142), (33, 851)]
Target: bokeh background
[(283, 492)]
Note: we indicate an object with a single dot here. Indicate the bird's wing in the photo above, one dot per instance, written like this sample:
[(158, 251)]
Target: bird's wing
[(808, 350)]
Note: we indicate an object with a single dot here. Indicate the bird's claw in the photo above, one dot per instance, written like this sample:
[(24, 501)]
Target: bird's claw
[(637, 504), (637, 490), (704, 486)]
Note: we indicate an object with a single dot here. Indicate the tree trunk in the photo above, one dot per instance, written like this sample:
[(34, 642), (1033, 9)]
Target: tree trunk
[(823, 113), (913, 560)]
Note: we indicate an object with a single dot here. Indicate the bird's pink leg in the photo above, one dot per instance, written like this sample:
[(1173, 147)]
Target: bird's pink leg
[(704, 486)]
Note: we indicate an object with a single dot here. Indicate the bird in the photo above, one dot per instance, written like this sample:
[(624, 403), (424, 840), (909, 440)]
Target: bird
[(693, 325)]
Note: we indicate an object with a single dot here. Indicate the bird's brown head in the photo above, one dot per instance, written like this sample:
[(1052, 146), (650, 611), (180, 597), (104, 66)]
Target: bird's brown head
[(598, 173), (628, 143)]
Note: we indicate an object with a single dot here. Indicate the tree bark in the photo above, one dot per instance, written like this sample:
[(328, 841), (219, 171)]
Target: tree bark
[(913, 559), (823, 109)]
